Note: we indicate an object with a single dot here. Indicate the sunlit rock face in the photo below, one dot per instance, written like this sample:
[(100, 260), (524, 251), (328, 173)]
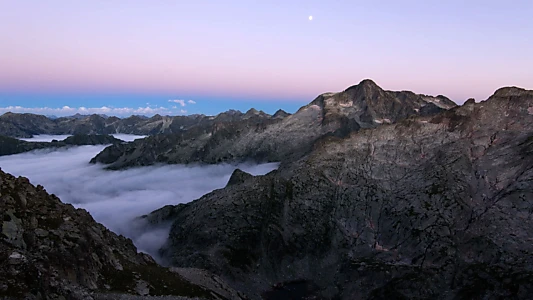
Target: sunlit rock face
[(434, 207)]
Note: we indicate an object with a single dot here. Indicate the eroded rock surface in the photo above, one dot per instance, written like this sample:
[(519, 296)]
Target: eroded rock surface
[(50, 250), (9, 146), (281, 138), (26, 125), (431, 207)]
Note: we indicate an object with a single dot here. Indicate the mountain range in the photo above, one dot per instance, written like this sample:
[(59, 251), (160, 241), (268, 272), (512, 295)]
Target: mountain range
[(9, 145), (379, 195), (256, 137), (27, 125)]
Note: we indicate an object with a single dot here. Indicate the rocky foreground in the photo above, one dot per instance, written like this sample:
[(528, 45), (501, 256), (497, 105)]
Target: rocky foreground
[(432, 207), (26, 125), (50, 250)]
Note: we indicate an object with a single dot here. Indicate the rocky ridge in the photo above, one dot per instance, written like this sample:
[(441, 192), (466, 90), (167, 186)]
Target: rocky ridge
[(9, 146), (50, 250), (282, 138), (436, 206), (26, 125)]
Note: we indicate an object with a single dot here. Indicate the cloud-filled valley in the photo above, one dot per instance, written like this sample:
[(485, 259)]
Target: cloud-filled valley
[(49, 138), (45, 138), (115, 198)]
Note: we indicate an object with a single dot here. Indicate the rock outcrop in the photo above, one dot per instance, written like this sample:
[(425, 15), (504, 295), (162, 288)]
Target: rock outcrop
[(431, 207), (50, 250), (25, 125), (258, 138)]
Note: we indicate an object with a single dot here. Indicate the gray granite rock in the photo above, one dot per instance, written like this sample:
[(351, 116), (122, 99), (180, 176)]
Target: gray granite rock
[(431, 207), (50, 250), (254, 137)]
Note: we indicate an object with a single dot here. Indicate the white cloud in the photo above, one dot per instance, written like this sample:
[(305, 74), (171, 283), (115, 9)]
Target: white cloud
[(116, 198), (46, 138), (49, 138), (180, 102), (113, 111)]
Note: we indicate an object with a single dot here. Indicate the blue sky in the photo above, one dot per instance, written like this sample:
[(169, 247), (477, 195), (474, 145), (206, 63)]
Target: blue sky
[(239, 54), (112, 104)]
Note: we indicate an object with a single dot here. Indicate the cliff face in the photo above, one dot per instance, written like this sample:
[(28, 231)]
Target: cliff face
[(430, 207), (50, 250), (261, 139)]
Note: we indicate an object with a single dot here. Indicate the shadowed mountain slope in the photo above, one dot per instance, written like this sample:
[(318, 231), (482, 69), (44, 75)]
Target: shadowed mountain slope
[(9, 146), (431, 207), (26, 125), (50, 250), (261, 139)]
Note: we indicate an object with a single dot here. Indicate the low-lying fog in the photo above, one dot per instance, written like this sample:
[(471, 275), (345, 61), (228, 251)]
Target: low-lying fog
[(115, 198), (49, 138), (45, 138)]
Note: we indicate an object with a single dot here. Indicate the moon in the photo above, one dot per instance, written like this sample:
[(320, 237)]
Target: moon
[(310, 18)]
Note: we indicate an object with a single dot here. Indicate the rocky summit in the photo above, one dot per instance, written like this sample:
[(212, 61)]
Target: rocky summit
[(50, 250), (282, 137), (430, 207)]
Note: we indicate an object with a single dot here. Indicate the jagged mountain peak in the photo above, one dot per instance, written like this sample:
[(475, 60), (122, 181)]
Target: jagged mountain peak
[(239, 176), (232, 112), (280, 113), (366, 84), (369, 105)]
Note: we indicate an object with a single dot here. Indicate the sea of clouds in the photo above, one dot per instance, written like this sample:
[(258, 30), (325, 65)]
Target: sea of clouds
[(117, 198), (49, 138)]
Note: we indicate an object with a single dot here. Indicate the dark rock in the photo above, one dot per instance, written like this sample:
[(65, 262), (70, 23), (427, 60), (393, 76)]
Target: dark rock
[(431, 207), (280, 114), (470, 101), (237, 137), (163, 215), (238, 176), (50, 250), (430, 109), (9, 146), (27, 125), (99, 139)]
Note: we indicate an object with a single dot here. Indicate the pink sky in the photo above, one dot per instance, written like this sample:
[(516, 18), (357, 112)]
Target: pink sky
[(238, 49)]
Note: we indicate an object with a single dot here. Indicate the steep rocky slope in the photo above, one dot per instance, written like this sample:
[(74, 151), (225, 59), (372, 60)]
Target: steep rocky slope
[(432, 207), (50, 250), (10, 145), (365, 105)]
